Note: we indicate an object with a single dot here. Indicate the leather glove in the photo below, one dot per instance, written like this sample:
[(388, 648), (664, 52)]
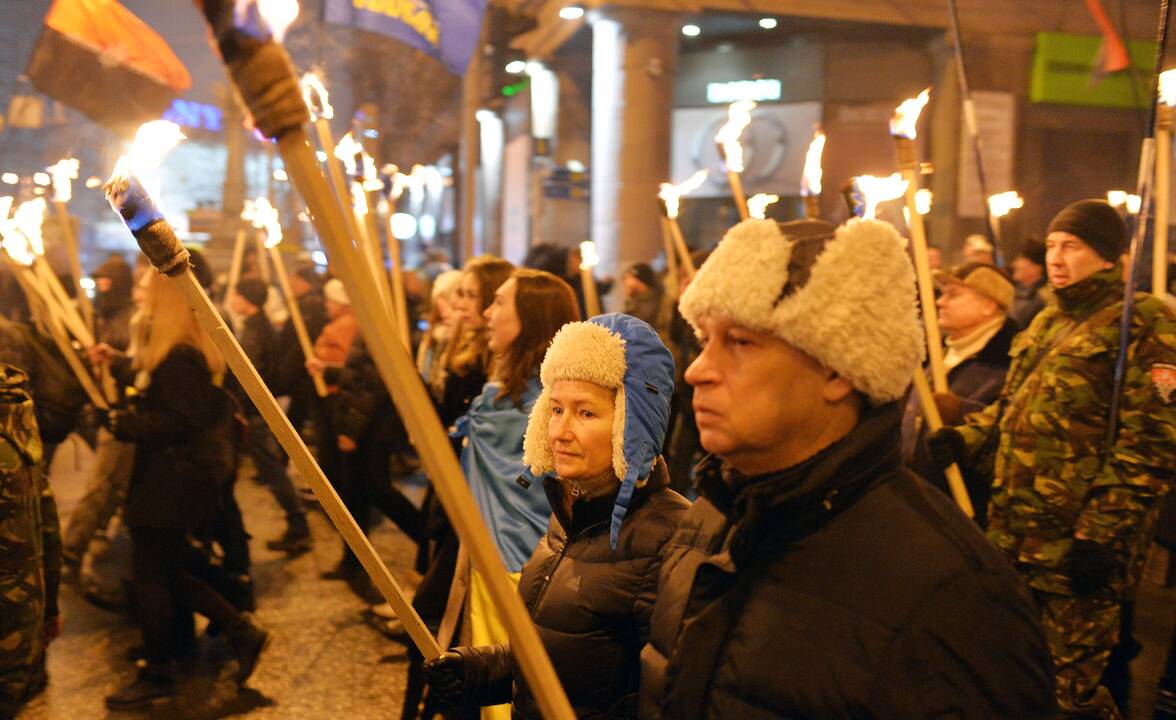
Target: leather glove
[(951, 408), (1090, 565), (946, 447), (446, 675)]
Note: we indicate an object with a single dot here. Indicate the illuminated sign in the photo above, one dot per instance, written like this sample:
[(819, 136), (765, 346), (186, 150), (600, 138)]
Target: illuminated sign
[(195, 116), (725, 93)]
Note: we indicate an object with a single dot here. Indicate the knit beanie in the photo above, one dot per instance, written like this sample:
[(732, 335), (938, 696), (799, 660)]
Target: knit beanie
[(1097, 224), (844, 296), (253, 290), (1032, 250), (644, 273), (335, 292)]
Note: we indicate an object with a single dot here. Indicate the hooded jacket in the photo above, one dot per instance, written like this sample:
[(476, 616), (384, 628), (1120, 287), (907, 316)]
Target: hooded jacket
[(844, 586)]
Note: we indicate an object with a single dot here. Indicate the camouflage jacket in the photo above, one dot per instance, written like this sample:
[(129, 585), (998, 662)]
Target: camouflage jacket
[(1054, 476)]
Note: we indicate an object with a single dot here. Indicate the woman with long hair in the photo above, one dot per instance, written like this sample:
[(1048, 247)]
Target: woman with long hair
[(185, 455), (527, 311)]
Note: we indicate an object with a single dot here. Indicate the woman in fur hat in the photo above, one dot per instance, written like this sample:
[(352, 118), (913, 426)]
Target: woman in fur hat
[(593, 442)]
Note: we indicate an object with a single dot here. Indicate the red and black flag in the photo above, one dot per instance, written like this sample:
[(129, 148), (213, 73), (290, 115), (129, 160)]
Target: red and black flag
[(98, 58)]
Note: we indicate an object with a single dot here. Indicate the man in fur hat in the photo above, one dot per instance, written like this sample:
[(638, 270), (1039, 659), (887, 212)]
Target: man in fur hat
[(1072, 508), (816, 576)]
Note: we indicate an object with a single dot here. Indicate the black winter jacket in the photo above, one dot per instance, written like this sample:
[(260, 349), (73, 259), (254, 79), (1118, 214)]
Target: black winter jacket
[(185, 447), (977, 381), (289, 374), (842, 587), (362, 409), (591, 604)]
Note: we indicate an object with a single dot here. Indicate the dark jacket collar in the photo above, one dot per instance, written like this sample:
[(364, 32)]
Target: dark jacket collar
[(587, 512), (799, 500), (996, 350), (1091, 294)]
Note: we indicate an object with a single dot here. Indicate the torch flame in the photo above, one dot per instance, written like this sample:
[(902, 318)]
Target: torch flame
[(28, 219), (1122, 198), (346, 150), (757, 205), (16, 245), (1168, 88), (875, 190), (588, 256), (153, 140), (810, 179), (923, 200), (316, 97), (265, 217), (906, 116), (1003, 203), (738, 118), (278, 15), (62, 172), (671, 193)]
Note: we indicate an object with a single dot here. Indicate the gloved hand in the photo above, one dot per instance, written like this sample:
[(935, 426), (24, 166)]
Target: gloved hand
[(952, 407), (446, 676), (1090, 565), (946, 446)]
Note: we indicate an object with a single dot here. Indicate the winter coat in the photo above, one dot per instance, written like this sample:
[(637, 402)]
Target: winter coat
[(259, 341), (591, 604), (844, 586), (362, 409), (514, 509), (1028, 301), (289, 364), (183, 431), (1055, 476), (977, 381)]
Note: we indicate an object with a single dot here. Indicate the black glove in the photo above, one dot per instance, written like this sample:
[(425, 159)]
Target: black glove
[(446, 675), (946, 447), (1090, 565)]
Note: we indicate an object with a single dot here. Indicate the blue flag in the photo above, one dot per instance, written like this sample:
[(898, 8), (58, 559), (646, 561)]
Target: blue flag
[(446, 29)]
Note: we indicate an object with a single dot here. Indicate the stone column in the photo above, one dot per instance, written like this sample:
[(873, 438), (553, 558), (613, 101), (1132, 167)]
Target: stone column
[(946, 116), (634, 55)]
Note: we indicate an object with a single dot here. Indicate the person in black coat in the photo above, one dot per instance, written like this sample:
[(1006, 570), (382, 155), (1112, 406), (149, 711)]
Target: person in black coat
[(816, 577), (289, 372), (182, 429), (973, 307), (593, 439)]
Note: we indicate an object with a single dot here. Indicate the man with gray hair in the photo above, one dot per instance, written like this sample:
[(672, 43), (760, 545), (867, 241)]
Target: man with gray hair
[(816, 576)]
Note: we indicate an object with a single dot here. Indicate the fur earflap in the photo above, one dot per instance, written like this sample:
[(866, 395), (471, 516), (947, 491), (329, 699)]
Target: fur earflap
[(856, 314), (579, 351)]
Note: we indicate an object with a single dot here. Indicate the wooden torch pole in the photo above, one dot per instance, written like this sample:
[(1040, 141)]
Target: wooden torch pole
[(75, 263), (1162, 194), (320, 386)]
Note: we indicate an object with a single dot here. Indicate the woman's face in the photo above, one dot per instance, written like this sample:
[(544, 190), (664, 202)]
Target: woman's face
[(502, 318), (580, 429), (466, 301)]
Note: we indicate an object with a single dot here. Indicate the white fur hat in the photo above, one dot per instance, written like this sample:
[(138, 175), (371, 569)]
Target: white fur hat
[(845, 297)]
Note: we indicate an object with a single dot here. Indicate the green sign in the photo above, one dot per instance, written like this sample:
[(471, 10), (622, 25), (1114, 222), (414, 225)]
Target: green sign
[(1064, 72)]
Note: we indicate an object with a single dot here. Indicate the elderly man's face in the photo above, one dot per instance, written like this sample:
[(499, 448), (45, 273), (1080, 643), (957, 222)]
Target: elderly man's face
[(758, 402), (962, 310)]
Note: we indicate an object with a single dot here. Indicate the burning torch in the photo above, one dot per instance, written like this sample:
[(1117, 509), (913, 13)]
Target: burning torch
[(810, 179), (999, 206), (1163, 187), (265, 78), (670, 196), (727, 139), (589, 260), (757, 205), (62, 172)]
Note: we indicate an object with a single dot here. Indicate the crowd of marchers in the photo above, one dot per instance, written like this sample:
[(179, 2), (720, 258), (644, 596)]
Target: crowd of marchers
[(723, 502)]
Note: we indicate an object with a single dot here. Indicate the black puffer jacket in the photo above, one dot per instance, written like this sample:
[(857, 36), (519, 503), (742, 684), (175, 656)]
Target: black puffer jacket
[(183, 430), (362, 409), (590, 603), (842, 587)]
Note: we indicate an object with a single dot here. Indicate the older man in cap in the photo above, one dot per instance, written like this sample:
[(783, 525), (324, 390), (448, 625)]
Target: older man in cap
[(1072, 507), (973, 304), (816, 577)]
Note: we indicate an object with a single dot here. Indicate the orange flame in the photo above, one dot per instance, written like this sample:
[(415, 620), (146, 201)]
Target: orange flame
[(738, 118), (1168, 88), (810, 179), (877, 190), (757, 205), (671, 194), (62, 172), (314, 93), (588, 257), (906, 116), (265, 217), (1003, 203)]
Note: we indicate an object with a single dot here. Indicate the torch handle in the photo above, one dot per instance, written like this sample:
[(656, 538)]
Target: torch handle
[(672, 281), (1162, 199), (737, 192), (591, 296), (683, 251), (67, 311), (263, 268), (375, 255), (398, 371), (955, 481), (291, 442), (320, 387), (812, 207), (396, 275), (75, 263), (926, 287)]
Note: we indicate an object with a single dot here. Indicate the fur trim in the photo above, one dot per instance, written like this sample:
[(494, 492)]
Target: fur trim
[(581, 351), (856, 315)]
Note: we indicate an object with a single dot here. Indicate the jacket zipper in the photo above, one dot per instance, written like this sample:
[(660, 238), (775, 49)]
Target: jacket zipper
[(551, 572)]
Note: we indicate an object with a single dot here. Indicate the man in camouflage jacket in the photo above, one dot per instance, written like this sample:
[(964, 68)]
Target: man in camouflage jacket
[(1073, 513), (30, 552)]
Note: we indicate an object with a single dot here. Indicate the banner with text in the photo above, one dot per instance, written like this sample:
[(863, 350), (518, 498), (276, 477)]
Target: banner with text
[(446, 29)]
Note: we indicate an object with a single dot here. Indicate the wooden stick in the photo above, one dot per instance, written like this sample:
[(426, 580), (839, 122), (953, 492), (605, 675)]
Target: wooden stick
[(910, 171), (375, 253), (412, 401), (683, 250), (812, 207), (67, 311), (238, 259), (673, 284), (737, 192), (591, 296), (396, 275), (263, 268), (955, 481), (1162, 195), (75, 263), (320, 386)]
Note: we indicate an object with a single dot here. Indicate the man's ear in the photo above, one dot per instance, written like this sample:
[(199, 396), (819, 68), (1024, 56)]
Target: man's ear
[(837, 388)]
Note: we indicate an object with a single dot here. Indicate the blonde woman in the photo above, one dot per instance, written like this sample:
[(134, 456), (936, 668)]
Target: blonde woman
[(181, 425)]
